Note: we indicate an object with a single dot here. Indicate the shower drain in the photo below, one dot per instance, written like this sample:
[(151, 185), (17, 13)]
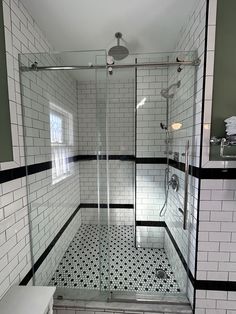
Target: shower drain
[(160, 273)]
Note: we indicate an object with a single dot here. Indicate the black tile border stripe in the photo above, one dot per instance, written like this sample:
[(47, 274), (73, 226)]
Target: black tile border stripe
[(215, 285), (12, 174), (218, 173), (201, 173), (151, 160)]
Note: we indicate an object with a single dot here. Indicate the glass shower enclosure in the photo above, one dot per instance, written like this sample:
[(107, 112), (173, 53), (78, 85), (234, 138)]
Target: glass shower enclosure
[(97, 161)]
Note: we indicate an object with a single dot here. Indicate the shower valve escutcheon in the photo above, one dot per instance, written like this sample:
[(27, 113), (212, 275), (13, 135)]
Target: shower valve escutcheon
[(174, 182)]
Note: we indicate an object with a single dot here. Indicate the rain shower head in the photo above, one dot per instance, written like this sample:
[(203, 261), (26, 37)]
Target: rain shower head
[(118, 52), (165, 92)]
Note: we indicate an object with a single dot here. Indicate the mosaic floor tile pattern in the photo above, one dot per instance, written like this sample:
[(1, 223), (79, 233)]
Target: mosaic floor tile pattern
[(131, 269)]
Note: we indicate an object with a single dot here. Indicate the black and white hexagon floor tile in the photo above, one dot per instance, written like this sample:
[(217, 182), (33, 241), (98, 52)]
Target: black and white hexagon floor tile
[(131, 269)]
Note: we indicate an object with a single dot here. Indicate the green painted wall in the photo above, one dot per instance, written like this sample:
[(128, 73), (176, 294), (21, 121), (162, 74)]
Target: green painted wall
[(224, 84), (5, 128)]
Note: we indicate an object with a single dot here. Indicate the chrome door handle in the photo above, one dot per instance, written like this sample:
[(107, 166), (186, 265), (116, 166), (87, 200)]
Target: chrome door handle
[(186, 181)]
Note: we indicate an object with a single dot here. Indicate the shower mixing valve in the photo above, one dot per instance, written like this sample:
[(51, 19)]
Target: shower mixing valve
[(174, 182)]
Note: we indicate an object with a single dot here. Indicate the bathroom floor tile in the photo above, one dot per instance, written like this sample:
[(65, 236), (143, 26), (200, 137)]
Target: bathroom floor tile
[(123, 266)]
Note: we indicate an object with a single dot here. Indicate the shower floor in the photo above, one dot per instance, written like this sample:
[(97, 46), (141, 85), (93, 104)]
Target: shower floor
[(131, 269)]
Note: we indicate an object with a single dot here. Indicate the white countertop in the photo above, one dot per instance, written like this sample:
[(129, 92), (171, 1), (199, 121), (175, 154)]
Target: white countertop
[(26, 300)]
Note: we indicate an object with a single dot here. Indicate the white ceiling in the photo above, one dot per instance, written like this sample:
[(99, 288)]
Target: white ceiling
[(147, 25)]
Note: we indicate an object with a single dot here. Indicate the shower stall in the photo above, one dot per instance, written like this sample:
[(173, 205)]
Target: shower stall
[(99, 171)]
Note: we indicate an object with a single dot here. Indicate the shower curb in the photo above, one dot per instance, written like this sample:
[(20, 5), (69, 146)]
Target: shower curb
[(122, 307)]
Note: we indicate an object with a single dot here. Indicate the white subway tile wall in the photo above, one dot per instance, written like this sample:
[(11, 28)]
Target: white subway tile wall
[(150, 141), (185, 239), (216, 255), (117, 216), (215, 302), (186, 108), (151, 110), (121, 179), (150, 237), (217, 225), (120, 117), (217, 247), (176, 263), (14, 227), (24, 36)]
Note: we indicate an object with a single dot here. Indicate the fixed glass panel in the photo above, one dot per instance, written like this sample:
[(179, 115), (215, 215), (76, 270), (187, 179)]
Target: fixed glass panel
[(165, 116), (64, 134)]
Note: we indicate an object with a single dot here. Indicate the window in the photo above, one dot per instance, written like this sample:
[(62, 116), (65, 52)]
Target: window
[(61, 134)]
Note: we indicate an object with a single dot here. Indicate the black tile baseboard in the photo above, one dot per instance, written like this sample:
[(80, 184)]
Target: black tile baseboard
[(163, 224), (95, 205), (197, 284), (145, 223), (151, 160), (43, 256)]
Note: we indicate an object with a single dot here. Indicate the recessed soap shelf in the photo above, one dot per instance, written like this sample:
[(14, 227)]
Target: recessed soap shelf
[(224, 142)]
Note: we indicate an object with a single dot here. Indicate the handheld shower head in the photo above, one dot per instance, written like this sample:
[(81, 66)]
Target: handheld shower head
[(165, 92)]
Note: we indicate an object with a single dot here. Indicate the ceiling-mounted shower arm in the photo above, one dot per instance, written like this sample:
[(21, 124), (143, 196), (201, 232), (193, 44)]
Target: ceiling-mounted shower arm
[(118, 35)]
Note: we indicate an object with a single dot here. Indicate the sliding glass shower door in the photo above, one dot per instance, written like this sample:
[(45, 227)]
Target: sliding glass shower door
[(64, 117), (99, 150)]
